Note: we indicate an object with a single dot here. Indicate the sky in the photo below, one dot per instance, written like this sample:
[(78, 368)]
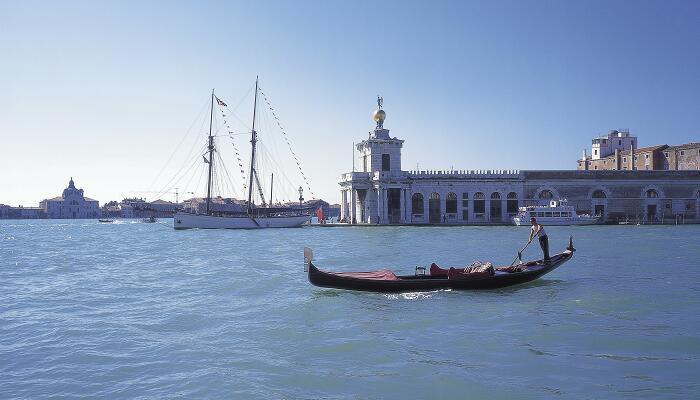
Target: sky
[(108, 92)]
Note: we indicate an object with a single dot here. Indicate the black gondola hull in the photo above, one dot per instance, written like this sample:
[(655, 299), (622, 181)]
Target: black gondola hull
[(414, 283)]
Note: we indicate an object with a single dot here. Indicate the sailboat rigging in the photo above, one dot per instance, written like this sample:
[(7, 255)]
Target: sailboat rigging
[(263, 217)]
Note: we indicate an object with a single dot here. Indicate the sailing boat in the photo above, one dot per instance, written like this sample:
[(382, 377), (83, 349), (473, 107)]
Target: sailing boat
[(254, 217)]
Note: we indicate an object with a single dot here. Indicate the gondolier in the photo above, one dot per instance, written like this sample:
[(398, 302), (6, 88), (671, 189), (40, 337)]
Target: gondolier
[(537, 229)]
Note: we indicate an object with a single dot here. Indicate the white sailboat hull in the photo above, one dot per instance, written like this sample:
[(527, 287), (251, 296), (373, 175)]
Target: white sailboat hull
[(191, 221)]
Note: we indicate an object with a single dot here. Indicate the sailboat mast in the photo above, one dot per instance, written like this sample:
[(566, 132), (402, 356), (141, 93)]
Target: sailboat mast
[(272, 181), (211, 152), (253, 140)]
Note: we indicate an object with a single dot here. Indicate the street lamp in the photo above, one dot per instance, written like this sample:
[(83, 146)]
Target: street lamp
[(301, 197)]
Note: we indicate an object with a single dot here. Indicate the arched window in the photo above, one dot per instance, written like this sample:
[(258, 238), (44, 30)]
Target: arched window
[(434, 213), (512, 203), (479, 203), (599, 194), (417, 204), (546, 194), (495, 205), (652, 194), (451, 203)]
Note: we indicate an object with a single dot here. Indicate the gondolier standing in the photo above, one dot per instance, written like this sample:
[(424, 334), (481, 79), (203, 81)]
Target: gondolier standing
[(538, 230)]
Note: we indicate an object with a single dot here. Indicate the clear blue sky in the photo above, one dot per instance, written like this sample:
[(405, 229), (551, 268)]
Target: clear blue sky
[(104, 91)]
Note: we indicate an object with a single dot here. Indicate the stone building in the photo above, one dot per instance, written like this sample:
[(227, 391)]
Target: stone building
[(21, 212), (683, 157), (646, 196), (618, 151), (382, 193), (71, 204), (140, 208)]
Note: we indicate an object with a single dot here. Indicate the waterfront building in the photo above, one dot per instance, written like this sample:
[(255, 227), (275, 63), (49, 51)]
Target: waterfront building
[(329, 210), (71, 204), (618, 151), (126, 210), (140, 208), (21, 212), (382, 193)]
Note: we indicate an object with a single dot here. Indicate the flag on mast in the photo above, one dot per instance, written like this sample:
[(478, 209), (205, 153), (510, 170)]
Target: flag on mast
[(219, 102)]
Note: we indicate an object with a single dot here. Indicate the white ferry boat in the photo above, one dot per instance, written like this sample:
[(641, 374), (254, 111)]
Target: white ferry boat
[(558, 212)]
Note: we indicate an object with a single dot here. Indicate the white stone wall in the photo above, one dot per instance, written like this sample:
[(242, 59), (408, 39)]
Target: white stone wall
[(373, 150)]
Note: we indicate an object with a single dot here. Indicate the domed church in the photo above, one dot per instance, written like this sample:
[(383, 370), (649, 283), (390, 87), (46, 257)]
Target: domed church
[(72, 204)]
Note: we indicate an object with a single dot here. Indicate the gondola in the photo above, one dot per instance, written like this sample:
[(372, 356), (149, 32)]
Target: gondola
[(438, 278)]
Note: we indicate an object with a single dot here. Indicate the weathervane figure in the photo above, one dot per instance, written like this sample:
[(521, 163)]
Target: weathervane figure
[(379, 115)]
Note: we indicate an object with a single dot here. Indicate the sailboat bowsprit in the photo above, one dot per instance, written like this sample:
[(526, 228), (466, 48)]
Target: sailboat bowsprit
[(254, 217), (439, 278)]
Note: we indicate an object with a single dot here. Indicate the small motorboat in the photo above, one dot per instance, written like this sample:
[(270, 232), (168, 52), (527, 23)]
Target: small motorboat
[(149, 220), (438, 278), (106, 221)]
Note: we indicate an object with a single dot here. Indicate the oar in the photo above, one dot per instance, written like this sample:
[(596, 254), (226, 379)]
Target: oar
[(520, 253)]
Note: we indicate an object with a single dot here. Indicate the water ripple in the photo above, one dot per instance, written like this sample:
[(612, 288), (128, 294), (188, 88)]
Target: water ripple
[(132, 310)]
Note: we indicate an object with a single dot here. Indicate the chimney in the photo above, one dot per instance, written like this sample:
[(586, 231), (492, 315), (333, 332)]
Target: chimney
[(617, 159), (632, 157)]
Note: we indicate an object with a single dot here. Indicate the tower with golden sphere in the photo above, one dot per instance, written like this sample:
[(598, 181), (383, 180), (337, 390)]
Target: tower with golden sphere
[(379, 152)]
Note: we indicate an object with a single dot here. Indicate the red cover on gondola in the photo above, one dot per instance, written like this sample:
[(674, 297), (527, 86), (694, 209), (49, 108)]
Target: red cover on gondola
[(437, 271)]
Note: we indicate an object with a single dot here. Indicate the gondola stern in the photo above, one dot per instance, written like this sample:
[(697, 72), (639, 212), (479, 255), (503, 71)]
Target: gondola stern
[(308, 257)]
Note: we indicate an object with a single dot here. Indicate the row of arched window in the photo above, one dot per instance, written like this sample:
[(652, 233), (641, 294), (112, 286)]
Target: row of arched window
[(479, 199), (600, 194)]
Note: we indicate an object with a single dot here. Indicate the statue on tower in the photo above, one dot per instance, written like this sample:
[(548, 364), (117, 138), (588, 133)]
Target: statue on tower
[(379, 115)]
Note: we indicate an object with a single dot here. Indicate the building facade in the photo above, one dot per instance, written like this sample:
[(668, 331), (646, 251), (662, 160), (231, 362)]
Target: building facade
[(140, 208), (618, 151), (382, 193), (71, 204)]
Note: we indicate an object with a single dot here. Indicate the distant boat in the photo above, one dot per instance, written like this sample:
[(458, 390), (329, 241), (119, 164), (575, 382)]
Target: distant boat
[(149, 220), (106, 221), (558, 212), (254, 217)]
